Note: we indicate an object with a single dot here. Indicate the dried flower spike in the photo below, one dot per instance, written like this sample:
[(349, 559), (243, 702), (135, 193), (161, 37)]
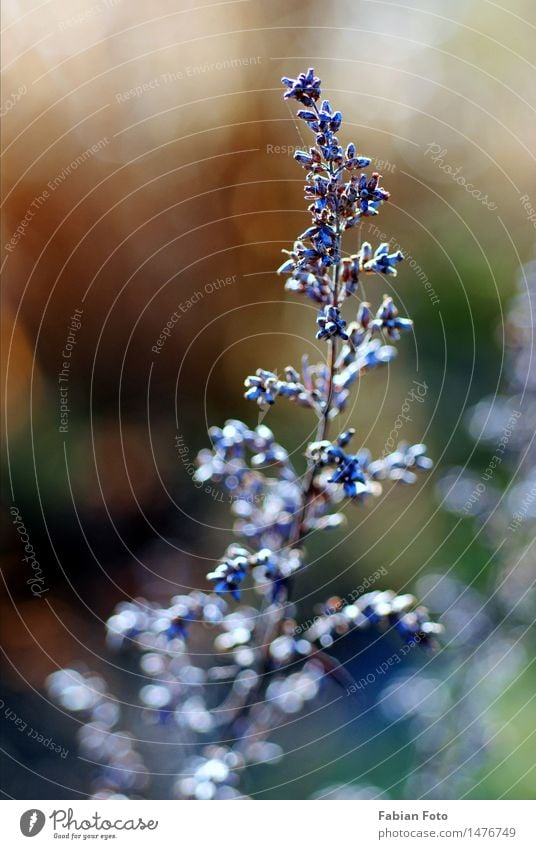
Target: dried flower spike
[(261, 664)]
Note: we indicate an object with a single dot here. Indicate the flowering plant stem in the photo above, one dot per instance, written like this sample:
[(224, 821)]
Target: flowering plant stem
[(266, 665), (274, 612)]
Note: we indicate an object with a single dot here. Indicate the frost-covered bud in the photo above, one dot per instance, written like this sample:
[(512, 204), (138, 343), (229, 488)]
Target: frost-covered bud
[(331, 324), (387, 319)]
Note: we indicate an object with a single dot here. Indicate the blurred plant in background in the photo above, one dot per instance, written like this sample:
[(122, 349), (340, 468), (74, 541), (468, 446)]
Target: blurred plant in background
[(219, 700), (455, 717)]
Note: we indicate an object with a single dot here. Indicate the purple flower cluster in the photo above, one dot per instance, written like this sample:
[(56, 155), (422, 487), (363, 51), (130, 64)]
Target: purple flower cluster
[(331, 323), (239, 563), (359, 474), (264, 387), (262, 669), (382, 610), (339, 199)]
